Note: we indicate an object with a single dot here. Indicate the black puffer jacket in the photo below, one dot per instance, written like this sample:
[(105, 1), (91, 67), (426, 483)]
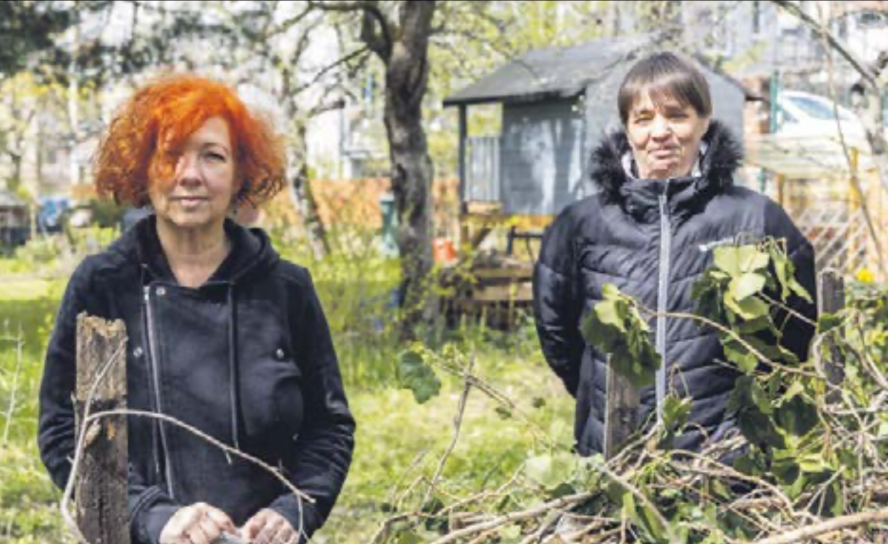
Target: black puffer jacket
[(247, 358), (653, 239)]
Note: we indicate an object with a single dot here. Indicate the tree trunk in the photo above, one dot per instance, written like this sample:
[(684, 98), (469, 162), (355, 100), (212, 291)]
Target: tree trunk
[(407, 71), (308, 206)]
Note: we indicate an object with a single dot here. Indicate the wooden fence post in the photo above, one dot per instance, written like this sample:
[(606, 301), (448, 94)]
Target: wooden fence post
[(101, 489), (832, 300), (621, 409)]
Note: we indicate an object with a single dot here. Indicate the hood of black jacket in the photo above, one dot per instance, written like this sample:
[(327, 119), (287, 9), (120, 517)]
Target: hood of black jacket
[(251, 252), (639, 196)]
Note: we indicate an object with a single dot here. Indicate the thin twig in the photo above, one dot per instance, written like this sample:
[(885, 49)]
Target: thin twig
[(563, 502), (457, 425), (19, 344)]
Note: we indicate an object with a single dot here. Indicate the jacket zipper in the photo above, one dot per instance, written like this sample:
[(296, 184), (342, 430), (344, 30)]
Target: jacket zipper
[(152, 351), (663, 297)]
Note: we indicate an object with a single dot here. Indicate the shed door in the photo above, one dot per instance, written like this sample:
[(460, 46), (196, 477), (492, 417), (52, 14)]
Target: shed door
[(541, 156)]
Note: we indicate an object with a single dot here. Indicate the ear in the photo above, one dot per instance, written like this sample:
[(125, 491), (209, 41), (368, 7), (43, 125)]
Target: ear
[(706, 122)]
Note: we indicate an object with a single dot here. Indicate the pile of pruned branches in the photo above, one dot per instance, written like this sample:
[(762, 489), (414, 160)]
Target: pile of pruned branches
[(809, 462)]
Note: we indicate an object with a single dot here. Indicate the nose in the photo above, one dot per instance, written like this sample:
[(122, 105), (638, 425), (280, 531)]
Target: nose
[(188, 169), (660, 128)]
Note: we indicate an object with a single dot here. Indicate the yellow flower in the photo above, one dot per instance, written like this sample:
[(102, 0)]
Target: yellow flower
[(864, 275)]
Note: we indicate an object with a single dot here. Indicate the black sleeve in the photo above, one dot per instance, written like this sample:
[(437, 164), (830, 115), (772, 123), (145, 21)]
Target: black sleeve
[(556, 304), (149, 506), (797, 333), (325, 442)]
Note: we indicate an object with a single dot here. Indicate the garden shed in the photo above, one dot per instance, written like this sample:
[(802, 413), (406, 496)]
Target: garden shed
[(557, 105)]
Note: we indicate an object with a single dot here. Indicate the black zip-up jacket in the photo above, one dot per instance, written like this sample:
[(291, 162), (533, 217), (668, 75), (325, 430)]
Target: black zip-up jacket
[(246, 358), (653, 239)]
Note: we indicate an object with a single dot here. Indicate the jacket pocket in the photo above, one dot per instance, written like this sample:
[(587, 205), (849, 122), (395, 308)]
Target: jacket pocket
[(272, 398)]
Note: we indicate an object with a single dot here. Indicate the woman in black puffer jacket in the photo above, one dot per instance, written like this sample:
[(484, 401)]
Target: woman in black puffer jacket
[(666, 199)]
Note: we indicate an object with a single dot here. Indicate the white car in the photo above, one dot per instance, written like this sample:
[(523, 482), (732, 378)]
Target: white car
[(804, 114)]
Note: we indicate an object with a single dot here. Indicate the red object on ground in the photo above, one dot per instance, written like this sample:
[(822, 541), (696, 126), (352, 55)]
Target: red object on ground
[(443, 250)]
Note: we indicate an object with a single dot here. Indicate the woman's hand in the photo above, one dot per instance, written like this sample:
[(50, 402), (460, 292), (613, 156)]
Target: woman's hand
[(199, 523), (269, 527)]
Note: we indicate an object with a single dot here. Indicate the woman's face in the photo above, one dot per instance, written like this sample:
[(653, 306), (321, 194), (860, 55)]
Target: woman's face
[(203, 187), (665, 137)]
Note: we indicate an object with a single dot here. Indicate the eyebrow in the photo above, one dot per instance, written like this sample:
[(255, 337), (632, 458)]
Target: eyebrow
[(669, 107), (210, 143)]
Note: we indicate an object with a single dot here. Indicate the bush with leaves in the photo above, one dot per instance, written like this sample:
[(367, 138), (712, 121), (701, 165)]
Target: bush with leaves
[(813, 454)]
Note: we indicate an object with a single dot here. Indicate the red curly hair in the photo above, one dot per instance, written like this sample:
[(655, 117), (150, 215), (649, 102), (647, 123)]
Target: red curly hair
[(143, 140)]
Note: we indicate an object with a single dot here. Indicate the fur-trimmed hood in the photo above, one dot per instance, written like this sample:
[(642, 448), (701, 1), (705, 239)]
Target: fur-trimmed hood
[(717, 166)]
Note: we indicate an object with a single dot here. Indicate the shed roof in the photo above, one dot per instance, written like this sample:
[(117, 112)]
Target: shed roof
[(562, 72)]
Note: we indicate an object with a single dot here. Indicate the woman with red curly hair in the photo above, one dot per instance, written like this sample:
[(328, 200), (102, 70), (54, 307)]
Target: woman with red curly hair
[(224, 335)]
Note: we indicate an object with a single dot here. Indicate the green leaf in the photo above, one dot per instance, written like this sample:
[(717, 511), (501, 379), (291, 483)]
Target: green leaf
[(408, 537), (758, 324), (503, 412), (676, 412), (418, 377), (610, 291), (538, 402), (609, 313), (828, 322), (739, 355), (748, 308), (797, 288), (753, 409), (782, 268), (727, 259), (746, 285), (751, 259), (736, 260), (615, 327), (797, 416), (760, 398), (813, 463)]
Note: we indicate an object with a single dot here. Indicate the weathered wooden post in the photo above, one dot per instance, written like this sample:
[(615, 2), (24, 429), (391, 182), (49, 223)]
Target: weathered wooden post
[(832, 300), (101, 488), (621, 409)]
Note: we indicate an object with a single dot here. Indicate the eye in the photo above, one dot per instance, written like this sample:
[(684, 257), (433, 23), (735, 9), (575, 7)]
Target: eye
[(215, 157)]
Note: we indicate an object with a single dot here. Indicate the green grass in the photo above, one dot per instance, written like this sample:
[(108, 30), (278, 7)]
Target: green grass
[(397, 439), (26, 289)]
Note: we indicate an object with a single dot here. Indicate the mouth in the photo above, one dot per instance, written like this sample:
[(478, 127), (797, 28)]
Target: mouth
[(664, 152), (189, 201)]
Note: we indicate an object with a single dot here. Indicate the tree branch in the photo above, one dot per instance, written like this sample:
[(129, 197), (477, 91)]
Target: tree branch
[(381, 45), (829, 526), (327, 69), (868, 75)]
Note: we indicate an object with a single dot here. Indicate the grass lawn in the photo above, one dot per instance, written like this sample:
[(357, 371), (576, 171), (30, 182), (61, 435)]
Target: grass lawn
[(26, 289)]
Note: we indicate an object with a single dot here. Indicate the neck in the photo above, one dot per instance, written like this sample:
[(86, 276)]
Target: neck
[(193, 254)]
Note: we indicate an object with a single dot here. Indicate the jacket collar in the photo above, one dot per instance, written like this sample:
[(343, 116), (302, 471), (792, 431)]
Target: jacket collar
[(251, 252), (641, 197)]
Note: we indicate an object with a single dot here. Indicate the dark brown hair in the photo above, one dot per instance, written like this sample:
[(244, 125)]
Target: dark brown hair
[(662, 76)]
